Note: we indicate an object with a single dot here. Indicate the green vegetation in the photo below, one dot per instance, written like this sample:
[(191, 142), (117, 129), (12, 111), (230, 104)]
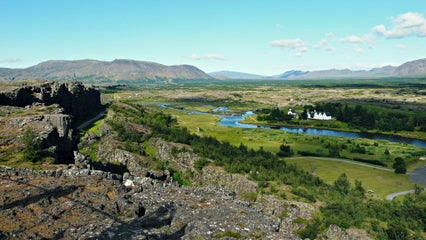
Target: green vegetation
[(399, 166), (376, 117), (346, 204), (32, 150), (228, 234), (200, 163), (273, 115), (258, 153), (381, 182)]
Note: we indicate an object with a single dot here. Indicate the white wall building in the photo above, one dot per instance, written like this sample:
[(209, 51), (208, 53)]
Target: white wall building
[(320, 115)]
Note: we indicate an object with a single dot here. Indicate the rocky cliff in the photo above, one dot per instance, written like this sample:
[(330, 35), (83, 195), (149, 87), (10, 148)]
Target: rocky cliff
[(76, 99), (51, 109)]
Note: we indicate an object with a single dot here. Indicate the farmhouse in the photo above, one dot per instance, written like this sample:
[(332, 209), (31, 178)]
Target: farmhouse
[(320, 115)]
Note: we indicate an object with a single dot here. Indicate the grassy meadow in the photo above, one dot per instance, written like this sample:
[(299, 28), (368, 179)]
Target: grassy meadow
[(381, 182)]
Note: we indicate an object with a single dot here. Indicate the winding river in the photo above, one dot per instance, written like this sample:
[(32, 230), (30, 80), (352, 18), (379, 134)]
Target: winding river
[(234, 121), (417, 176)]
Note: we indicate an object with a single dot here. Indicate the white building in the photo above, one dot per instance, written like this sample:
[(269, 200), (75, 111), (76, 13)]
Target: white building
[(320, 115)]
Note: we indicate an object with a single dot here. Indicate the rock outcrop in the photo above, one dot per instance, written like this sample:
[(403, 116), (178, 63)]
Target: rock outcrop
[(76, 203), (53, 129), (76, 99), (51, 109)]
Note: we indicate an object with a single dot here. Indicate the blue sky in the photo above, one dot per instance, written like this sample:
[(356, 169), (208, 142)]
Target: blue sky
[(264, 37)]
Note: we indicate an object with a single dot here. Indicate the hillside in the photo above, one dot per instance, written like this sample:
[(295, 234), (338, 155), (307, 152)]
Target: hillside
[(415, 68), (235, 75), (93, 71)]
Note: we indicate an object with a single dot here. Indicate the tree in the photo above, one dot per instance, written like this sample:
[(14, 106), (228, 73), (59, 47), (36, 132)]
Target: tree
[(32, 145), (285, 151), (359, 188), (334, 151), (397, 229), (399, 166), (304, 115), (342, 184)]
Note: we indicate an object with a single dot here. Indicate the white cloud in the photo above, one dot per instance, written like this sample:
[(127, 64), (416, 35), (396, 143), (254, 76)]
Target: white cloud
[(11, 60), (292, 44), (410, 23), (209, 56), (356, 39), (324, 45), (288, 43), (279, 26)]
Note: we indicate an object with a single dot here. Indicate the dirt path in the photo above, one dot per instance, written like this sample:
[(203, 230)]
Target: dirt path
[(351, 162), (417, 176), (393, 195), (86, 123)]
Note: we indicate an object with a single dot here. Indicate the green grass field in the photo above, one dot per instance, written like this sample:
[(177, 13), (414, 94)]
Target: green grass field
[(269, 139), (381, 182)]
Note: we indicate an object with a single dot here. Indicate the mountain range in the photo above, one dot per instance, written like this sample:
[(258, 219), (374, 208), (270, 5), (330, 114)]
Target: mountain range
[(94, 71), (131, 71), (415, 68)]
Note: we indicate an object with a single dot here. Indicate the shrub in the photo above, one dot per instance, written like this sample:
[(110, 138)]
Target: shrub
[(399, 166), (201, 163), (250, 196), (303, 193), (32, 146)]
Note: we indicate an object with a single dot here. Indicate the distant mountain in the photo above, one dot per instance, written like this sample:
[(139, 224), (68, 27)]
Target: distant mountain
[(234, 75), (413, 68), (292, 73), (383, 70), (386, 71), (131, 71), (94, 71), (331, 74)]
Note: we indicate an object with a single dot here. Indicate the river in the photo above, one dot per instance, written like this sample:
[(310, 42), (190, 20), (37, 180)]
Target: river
[(234, 121)]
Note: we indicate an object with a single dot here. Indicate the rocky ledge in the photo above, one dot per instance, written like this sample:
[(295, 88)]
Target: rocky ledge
[(51, 109), (73, 97), (74, 202)]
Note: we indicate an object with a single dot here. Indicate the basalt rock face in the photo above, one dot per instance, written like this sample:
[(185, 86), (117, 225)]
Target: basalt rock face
[(53, 130), (50, 109), (76, 99)]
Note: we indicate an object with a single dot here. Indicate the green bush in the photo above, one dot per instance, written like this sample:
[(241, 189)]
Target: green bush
[(228, 234), (249, 196), (201, 163), (32, 150), (399, 166)]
